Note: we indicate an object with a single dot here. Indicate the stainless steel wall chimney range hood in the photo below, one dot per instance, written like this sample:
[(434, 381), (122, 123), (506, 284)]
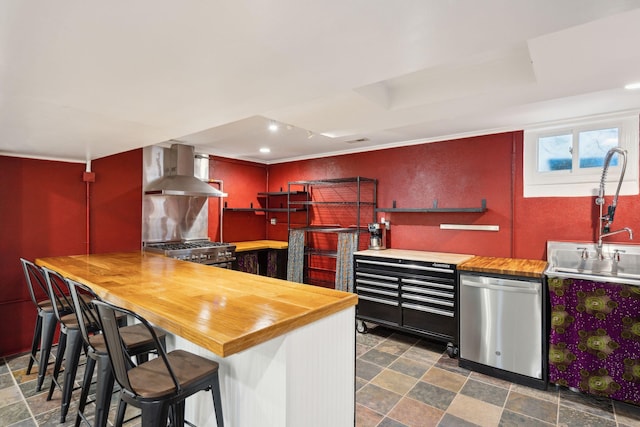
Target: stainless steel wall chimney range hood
[(179, 179)]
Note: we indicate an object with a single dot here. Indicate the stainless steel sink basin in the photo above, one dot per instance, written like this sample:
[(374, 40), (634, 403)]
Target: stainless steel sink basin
[(618, 263)]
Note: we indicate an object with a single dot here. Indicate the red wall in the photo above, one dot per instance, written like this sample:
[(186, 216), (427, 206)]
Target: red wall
[(242, 181), (43, 213), (457, 173), (564, 218)]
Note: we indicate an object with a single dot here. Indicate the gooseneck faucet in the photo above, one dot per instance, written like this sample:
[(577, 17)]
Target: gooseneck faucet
[(605, 221)]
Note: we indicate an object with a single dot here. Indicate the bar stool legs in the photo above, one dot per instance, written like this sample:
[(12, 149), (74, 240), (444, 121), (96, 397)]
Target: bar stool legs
[(72, 340), (49, 323)]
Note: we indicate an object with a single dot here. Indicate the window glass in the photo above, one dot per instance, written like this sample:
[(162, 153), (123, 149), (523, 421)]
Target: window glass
[(593, 146), (554, 153)]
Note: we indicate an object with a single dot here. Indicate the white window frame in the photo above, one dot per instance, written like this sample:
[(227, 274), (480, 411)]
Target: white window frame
[(585, 181)]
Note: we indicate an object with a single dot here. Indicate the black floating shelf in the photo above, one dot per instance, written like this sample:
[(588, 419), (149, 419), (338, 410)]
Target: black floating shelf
[(280, 193), (434, 209)]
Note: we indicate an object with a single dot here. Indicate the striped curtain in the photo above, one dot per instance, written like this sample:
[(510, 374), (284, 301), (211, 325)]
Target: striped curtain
[(347, 245), (295, 263)]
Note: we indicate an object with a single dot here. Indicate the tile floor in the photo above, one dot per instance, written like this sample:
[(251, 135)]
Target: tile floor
[(401, 380), (22, 406)]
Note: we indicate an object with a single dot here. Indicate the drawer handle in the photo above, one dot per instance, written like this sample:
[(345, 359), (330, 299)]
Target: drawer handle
[(405, 266), (431, 284), (383, 285), (428, 309), (377, 291), (430, 300), (378, 300), (375, 276), (427, 292)]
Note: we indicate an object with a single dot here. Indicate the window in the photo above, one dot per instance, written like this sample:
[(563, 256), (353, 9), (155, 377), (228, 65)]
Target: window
[(567, 159)]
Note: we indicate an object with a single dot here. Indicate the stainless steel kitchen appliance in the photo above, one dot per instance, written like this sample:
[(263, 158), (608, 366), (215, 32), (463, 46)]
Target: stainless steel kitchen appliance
[(502, 332), (202, 251), (377, 236)]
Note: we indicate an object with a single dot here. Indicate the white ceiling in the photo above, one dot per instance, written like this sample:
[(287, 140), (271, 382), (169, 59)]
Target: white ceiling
[(82, 80)]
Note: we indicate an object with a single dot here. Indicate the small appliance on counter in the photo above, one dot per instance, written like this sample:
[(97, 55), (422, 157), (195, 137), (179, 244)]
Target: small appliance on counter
[(377, 236)]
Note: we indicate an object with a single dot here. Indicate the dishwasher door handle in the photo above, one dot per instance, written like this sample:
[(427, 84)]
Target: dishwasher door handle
[(533, 288)]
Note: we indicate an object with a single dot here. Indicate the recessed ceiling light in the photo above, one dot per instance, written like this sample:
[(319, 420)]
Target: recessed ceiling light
[(265, 150), (635, 85), (273, 126)]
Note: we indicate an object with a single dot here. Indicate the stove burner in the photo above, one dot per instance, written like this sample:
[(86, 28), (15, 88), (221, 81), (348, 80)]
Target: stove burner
[(200, 251), (176, 246)]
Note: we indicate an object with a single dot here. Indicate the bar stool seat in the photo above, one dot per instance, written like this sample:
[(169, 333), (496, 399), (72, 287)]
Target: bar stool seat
[(162, 383)]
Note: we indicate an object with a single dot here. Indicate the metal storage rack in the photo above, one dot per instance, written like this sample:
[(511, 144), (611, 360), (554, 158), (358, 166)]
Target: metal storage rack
[(342, 205)]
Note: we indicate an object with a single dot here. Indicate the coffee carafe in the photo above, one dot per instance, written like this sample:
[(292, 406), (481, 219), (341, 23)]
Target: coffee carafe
[(377, 236)]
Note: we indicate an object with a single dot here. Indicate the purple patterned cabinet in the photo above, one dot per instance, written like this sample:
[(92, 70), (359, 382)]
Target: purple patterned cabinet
[(594, 344)]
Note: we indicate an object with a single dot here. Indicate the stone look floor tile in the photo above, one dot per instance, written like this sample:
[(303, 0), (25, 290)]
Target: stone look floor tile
[(452, 421), (489, 380), (627, 414), (394, 381), (573, 418), (551, 394), (10, 395), (476, 411), (14, 412), (511, 419), (445, 379), (410, 367), (377, 398), (366, 417), (378, 357), (581, 402), (415, 414), (432, 395), (367, 371), (532, 407), (485, 392), (388, 422)]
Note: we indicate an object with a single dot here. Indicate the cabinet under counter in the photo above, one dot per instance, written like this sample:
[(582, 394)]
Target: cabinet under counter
[(413, 291)]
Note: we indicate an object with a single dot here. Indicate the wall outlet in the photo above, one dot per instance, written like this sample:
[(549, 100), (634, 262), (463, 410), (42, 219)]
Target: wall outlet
[(274, 221), (386, 223)]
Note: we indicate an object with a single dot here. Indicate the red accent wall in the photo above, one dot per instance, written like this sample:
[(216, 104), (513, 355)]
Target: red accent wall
[(116, 203), (242, 181), (564, 218), (41, 214), (457, 174)]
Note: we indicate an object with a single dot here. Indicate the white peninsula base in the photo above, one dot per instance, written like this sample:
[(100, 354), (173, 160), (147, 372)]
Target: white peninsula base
[(303, 378)]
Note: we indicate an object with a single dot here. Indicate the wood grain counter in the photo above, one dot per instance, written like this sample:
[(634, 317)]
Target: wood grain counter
[(509, 266), (222, 310), (257, 245)]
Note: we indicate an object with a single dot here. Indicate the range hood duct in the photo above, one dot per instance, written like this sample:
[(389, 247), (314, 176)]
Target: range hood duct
[(180, 179)]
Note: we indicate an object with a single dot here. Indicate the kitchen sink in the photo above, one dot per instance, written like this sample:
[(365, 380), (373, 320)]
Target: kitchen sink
[(618, 263)]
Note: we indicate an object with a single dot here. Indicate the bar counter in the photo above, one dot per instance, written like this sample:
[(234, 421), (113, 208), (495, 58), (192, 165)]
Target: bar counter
[(286, 350)]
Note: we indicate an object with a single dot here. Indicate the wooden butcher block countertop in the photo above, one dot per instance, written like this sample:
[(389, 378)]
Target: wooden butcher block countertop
[(222, 310), (509, 266), (256, 245)]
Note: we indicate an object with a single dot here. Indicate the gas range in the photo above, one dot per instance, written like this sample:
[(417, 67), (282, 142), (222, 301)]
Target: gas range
[(202, 251)]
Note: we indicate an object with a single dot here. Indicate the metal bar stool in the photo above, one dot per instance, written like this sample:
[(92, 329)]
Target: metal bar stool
[(46, 320), (159, 384), (136, 339), (70, 342)]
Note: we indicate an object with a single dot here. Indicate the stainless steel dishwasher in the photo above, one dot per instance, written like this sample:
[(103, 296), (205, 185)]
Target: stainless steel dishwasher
[(501, 327)]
